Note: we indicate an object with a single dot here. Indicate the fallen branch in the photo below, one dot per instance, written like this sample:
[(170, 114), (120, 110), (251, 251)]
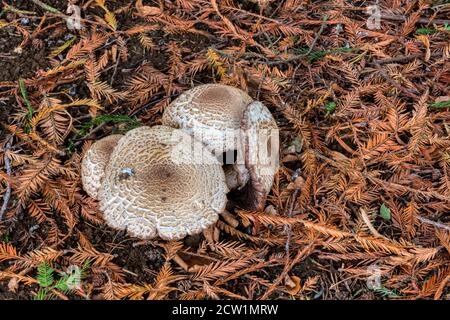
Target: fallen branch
[(420, 20), (301, 254), (7, 194), (392, 17), (46, 6), (436, 224), (402, 58)]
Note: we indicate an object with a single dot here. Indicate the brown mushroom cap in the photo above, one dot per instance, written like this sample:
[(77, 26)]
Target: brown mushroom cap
[(226, 118), (211, 112), (161, 182), (94, 163)]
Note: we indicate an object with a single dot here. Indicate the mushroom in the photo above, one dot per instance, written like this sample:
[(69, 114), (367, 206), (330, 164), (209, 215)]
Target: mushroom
[(94, 162), (227, 119), (157, 181)]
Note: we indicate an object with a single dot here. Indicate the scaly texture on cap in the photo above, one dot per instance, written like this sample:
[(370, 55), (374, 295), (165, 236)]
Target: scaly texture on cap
[(161, 182), (226, 118), (210, 112), (94, 163), (261, 143)]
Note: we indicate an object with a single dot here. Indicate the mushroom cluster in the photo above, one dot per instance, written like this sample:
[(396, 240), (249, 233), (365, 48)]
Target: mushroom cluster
[(171, 180)]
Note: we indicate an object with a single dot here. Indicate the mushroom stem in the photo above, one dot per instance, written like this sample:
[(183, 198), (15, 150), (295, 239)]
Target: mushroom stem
[(230, 219), (236, 176)]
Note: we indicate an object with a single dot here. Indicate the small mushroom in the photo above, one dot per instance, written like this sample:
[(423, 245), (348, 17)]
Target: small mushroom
[(156, 183), (227, 119), (94, 163)]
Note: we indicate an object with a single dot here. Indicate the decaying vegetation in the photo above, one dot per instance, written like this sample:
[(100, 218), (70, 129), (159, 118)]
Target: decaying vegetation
[(358, 210)]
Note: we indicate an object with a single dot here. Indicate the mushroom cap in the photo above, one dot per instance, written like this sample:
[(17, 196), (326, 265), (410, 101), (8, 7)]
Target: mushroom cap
[(262, 143), (261, 152), (161, 182), (210, 112), (226, 118), (94, 163)]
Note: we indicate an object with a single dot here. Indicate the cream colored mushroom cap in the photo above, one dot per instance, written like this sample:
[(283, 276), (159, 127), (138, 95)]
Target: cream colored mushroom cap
[(210, 112), (262, 144), (94, 162), (161, 182)]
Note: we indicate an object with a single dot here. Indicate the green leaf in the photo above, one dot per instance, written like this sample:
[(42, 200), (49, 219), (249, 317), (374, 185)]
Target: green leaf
[(385, 212), (331, 106), (41, 294), (107, 118), (425, 31), (385, 292), (45, 275), (60, 49), (63, 284), (85, 268), (440, 105), (23, 92)]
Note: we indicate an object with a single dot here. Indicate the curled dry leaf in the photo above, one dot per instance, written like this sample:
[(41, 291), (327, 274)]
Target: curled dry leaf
[(147, 10), (292, 284), (298, 183)]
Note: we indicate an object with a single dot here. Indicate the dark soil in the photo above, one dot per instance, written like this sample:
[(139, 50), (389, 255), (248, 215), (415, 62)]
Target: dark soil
[(22, 64)]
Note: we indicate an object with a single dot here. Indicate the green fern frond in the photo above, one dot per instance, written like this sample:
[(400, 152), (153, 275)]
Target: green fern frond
[(45, 275)]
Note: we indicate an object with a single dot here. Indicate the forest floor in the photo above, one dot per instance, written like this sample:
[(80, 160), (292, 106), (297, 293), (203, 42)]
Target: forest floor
[(360, 205)]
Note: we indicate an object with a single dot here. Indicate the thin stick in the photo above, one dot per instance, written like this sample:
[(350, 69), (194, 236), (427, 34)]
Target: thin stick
[(287, 228), (386, 77), (302, 254), (420, 20), (322, 27), (90, 134), (46, 6), (387, 16), (7, 194), (403, 58), (311, 48), (116, 65), (436, 224)]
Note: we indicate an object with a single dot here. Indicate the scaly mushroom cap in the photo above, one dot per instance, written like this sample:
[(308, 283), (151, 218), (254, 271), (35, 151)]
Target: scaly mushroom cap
[(226, 118), (160, 181), (94, 163), (211, 112), (261, 143)]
